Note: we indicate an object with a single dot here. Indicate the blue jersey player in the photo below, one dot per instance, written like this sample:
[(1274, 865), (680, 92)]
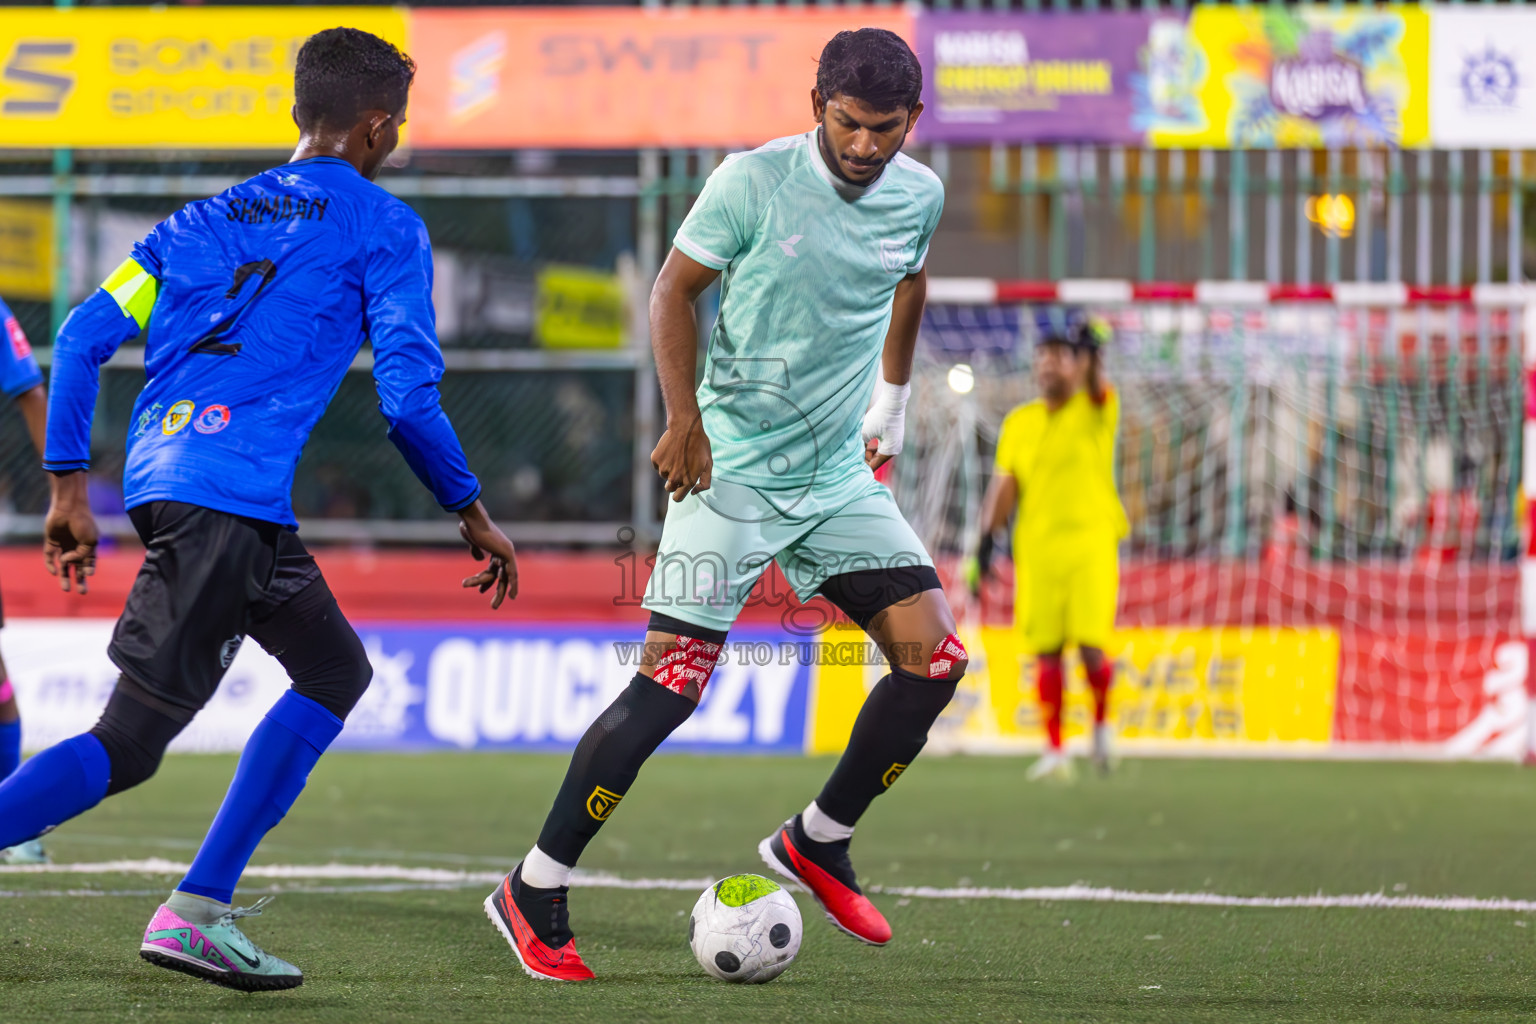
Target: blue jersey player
[(22, 381), (255, 303)]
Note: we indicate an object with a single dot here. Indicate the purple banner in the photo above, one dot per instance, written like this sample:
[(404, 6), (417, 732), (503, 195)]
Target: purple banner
[(1031, 77)]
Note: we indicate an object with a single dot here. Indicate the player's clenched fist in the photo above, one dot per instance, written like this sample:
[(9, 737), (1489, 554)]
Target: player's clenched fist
[(683, 459), (69, 532)]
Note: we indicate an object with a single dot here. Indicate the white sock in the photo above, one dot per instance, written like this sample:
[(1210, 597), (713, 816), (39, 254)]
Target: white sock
[(542, 871), (195, 909), (820, 827)]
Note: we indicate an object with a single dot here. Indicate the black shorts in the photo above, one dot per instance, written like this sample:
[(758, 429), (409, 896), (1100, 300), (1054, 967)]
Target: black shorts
[(209, 579)]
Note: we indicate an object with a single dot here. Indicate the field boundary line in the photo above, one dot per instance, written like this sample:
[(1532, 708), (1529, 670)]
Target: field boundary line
[(424, 878)]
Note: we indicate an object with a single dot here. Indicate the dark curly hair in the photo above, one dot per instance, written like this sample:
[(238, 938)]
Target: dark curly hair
[(871, 64), (342, 72)]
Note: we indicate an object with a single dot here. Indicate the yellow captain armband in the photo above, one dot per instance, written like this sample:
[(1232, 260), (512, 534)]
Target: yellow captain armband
[(133, 289)]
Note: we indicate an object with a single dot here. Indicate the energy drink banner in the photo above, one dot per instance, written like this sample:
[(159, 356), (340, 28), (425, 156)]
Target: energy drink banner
[(1033, 77), (1277, 77), (198, 78), (619, 78)]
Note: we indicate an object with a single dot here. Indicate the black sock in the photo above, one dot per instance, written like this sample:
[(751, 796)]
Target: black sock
[(606, 762), (891, 728)]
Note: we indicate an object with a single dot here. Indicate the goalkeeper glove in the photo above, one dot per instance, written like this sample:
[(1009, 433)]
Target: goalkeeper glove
[(976, 567)]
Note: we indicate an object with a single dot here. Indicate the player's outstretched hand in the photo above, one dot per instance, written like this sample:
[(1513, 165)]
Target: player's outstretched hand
[(683, 458), (485, 538), (69, 532)]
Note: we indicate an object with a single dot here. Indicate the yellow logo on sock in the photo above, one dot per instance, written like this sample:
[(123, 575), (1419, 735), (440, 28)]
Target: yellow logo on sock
[(602, 802), (892, 774)]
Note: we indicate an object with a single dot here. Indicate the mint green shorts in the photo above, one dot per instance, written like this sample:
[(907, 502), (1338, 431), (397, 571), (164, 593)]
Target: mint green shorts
[(716, 544)]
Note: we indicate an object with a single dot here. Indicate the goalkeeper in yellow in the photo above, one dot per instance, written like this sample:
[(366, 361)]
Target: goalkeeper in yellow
[(1055, 466)]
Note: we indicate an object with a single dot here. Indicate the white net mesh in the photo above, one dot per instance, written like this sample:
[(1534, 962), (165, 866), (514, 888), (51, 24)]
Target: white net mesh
[(1303, 467)]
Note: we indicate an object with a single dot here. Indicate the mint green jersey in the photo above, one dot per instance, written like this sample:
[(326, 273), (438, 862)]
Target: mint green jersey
[(810, 266)]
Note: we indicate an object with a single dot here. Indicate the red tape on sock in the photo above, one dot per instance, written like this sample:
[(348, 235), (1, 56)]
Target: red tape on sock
[(690, 660), (7, 691), (942, 662)]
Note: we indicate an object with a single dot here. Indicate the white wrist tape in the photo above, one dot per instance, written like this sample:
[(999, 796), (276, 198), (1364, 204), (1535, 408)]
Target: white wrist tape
[(887, 416)]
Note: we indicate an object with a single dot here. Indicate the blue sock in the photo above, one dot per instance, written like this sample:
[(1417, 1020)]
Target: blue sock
[(65, 780), (271, 775), (10, 748)]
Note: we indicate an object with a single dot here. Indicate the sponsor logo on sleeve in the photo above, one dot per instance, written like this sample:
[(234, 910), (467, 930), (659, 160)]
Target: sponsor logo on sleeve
[(19, 344)]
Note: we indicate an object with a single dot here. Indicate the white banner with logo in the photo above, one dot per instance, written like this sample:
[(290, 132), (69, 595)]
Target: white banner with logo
[(1482, 78), (524, 686)]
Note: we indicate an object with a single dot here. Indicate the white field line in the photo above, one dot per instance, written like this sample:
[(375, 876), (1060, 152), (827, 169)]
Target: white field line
[(412, 878)]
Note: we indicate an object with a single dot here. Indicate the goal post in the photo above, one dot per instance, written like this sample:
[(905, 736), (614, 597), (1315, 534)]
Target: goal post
[(1330, 550)]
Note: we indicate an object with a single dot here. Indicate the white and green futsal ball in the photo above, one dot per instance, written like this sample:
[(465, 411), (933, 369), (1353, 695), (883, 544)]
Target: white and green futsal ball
[(745, 928)]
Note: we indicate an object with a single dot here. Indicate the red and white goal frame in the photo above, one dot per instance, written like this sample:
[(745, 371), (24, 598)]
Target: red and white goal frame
[(1463, 692)]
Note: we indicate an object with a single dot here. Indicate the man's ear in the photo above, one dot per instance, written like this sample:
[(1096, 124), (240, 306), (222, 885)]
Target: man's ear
[(818, 105), (917, 108), (376, 125)]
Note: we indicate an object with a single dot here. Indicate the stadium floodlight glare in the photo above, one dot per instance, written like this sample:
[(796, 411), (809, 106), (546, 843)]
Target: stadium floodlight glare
[(961, 378)]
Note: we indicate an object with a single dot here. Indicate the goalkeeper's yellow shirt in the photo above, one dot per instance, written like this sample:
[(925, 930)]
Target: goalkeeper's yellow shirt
[(1064, 462)]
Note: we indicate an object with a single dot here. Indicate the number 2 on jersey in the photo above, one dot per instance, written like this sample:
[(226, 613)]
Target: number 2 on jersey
[(210, 342)]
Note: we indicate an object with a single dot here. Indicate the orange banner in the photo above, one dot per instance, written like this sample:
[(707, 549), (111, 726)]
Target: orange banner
[(619, 78)]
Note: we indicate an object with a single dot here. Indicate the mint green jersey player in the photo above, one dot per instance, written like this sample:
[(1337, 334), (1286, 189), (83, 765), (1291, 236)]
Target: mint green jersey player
[(810, 264)]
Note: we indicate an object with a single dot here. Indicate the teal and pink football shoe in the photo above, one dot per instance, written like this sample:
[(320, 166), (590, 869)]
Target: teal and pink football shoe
[(218, 953)]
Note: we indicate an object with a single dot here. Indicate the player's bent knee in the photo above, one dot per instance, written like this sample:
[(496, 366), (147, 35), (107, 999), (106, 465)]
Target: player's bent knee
[(340, 687), (134, 736), (685, 665)]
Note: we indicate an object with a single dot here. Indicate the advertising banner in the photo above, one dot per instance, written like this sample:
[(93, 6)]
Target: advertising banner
[(530, 686), (1203, 689), (26, 249), (1482, 78), (618, 78), (155, 77), (1294, 77), (1032, 77)]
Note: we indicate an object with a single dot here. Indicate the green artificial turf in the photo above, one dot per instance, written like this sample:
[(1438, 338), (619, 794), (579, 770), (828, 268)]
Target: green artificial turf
[(1237, 828)]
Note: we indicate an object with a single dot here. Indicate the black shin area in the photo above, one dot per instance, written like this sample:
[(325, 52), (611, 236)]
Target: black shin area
[(606, 762), (135, 729), (318, 647), (888, 734)]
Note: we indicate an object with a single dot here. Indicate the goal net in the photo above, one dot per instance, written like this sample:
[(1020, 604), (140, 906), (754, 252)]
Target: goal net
[(1324, 496)]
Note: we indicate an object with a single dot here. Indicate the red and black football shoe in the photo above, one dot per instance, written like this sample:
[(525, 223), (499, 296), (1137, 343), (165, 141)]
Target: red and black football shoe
[(536, 924), (824, 870)]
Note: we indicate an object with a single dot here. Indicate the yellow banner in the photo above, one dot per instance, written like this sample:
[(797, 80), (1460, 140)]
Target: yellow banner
[(156, 77), (1213, 688), (579, 308), (26, 250), (1287, 77)]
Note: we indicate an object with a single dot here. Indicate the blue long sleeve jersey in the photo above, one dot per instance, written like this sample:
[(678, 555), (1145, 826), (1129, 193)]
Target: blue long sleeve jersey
[(19, 372), (256, 302)]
